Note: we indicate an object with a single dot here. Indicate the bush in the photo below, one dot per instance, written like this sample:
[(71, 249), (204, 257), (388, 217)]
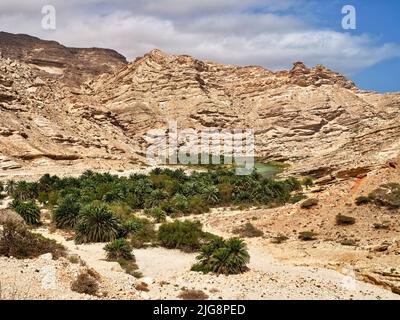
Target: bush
[(97, 223), (197, 205), (308, 182), (362, 200), (280, 238), (29, 211), (117, 249), (248, 231), (85, 283), (342, 220), (157, 213), (223, 257), (185, 235), (309, 203), (66, 214), (17, 241), (297, 198), (193, 295), (307, 236), (387, 195)]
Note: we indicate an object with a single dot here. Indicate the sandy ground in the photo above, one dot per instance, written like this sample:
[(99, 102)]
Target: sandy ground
[(321, 269), (167, 272)]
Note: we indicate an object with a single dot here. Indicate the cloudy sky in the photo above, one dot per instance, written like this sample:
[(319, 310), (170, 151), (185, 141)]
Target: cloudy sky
[(271, 33)]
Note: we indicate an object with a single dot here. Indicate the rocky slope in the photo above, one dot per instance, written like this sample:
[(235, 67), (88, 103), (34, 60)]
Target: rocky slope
[(72, 66), (313, 118)]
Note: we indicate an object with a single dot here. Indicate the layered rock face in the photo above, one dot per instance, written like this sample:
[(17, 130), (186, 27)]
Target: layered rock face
[(313, 118), (42, 121), (73, 66)]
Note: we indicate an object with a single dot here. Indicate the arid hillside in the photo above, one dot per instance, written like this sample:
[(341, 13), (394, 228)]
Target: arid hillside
[(311, 118)]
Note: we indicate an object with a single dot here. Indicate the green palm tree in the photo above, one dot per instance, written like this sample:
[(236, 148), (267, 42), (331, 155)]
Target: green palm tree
[(230, 259), (97, 223)]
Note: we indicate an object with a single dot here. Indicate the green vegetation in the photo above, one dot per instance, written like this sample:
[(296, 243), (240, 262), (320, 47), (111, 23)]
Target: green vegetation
[(308, 182), (67, 212), (185, 235), (343, 220), (223, 257), (17, 241), (108, 208), (120, 250), (158, 214), (309, 203), (248, 231), (97, 223), (117, 249), (28, 210)]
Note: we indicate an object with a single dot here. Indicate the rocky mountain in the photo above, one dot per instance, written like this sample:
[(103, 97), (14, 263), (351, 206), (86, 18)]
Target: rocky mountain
[(72, 66), (313, 118)]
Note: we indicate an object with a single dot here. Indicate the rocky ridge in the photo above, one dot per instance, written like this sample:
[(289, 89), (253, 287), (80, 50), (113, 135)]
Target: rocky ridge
[(313, 118)]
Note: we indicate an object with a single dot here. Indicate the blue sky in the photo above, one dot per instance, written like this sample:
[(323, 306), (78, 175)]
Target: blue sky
[(270, 33), (380, 19)]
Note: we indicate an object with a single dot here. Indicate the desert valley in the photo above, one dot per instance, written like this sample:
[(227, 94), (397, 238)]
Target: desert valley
[(317, 219)]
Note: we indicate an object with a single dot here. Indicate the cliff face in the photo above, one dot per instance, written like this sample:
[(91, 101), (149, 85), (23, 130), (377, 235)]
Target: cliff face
[(72, 66), (313, 118)]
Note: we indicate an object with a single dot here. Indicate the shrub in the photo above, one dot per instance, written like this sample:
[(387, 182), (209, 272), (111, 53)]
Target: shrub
[(24, 191), (385, 225), (248, 231), (308, 182), (29, 211), (185, 235), (129, 266), (344, 220), (180, 203), (362, 200), (387, 195), (85, 283), (197, 205), (17, 241), (193, 295), (142, 286), (223, 257), (309, 203), (307, 236), (67, 212), (280, 238), (144, 236), (121, 209), (157, 213), (297, 198), (97, 223), (119, 248)]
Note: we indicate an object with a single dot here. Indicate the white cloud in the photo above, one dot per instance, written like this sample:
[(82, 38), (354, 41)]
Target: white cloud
[(225, 31)]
